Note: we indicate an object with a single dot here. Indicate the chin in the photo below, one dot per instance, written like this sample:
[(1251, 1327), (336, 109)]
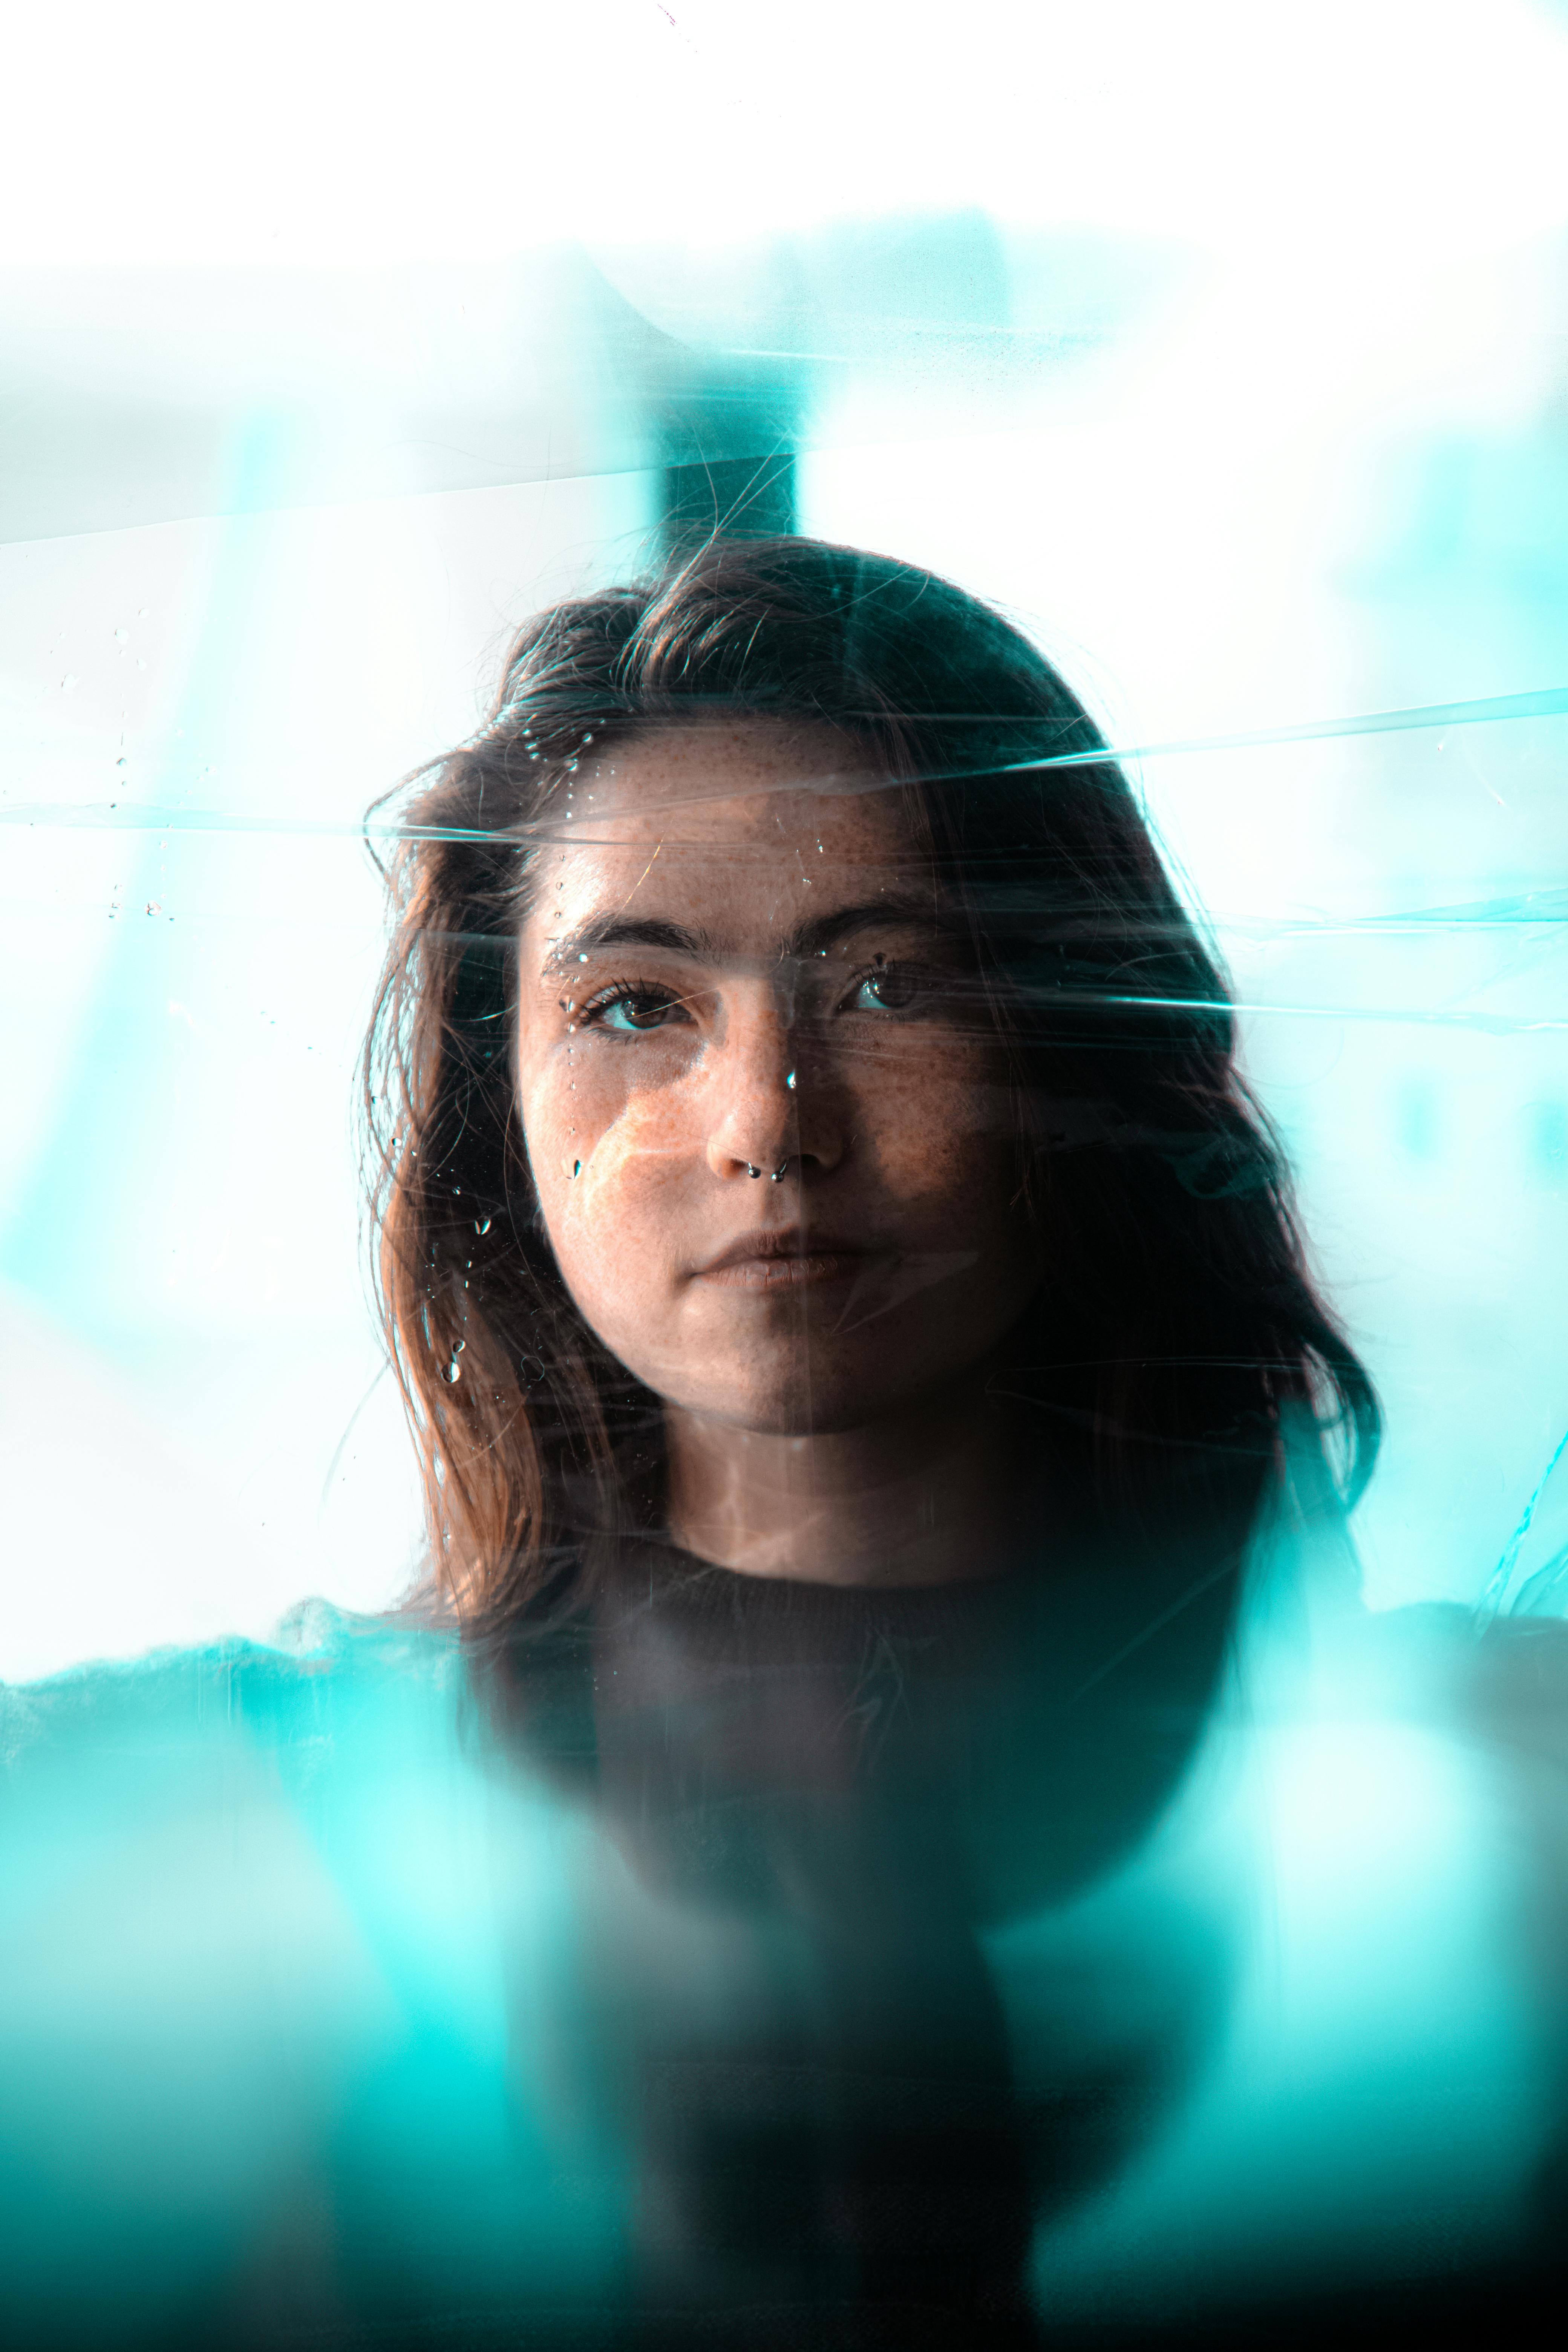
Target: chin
[(802, 1399)]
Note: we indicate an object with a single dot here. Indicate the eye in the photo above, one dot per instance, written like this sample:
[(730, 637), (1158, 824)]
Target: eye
[(891, 987), (628, 1011)]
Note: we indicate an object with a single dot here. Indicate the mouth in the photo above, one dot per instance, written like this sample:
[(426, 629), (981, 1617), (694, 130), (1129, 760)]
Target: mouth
[(785, 1260)]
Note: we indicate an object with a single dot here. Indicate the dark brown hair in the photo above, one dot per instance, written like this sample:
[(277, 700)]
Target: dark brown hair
[(1178, 1317)]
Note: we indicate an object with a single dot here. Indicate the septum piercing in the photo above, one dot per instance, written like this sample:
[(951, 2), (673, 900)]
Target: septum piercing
[(777, 1176)]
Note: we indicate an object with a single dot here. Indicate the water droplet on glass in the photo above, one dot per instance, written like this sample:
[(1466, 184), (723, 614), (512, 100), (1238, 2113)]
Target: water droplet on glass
[(483, 1225), (576, 1168), (789, 1080), (153, 908)]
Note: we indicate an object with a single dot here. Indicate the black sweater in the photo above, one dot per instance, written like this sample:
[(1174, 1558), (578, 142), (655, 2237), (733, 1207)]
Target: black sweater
[(832, 1792)]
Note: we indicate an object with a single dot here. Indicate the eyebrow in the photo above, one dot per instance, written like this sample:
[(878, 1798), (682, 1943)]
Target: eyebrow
[(812, 939)]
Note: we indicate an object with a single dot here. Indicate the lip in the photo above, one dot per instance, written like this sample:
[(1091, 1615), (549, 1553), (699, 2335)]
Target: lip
[(786, 1259)]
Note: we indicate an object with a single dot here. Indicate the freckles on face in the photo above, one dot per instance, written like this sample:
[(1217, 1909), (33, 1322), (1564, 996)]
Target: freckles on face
[(613, 1145), (765, 1110)]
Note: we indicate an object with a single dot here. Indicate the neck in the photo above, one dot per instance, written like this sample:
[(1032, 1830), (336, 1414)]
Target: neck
[(945, 1492)]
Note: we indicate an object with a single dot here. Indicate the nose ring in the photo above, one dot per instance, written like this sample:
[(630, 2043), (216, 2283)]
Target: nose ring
[(778, 1175), (752, 1172)]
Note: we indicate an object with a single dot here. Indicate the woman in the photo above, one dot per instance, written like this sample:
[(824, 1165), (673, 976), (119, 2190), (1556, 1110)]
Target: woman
[(799, 864), (851, 1316)]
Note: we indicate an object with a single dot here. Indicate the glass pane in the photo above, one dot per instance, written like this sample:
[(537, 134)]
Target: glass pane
[(782, 1259)]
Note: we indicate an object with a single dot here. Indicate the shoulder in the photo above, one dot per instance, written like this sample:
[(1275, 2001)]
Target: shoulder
[(1498, 1686), (325, 1674)]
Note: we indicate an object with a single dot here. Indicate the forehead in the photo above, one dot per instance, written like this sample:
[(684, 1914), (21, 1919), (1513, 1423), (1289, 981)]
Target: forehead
[(748, 825)]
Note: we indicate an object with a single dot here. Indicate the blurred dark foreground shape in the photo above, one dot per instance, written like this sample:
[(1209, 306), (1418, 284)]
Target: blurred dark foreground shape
[(796, 1965)]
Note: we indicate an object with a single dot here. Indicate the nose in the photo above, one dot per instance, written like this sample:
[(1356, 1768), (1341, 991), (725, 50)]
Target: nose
[(766, 1121)]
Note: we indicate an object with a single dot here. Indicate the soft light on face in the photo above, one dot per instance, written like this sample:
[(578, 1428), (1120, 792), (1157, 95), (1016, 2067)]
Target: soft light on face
[(765, 1109)]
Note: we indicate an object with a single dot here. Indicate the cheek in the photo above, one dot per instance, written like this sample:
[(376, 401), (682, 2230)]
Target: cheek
[(608, 1160), (937, 1123)]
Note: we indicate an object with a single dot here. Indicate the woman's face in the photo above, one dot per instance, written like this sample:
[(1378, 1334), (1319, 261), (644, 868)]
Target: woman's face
[(766, 1112)]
